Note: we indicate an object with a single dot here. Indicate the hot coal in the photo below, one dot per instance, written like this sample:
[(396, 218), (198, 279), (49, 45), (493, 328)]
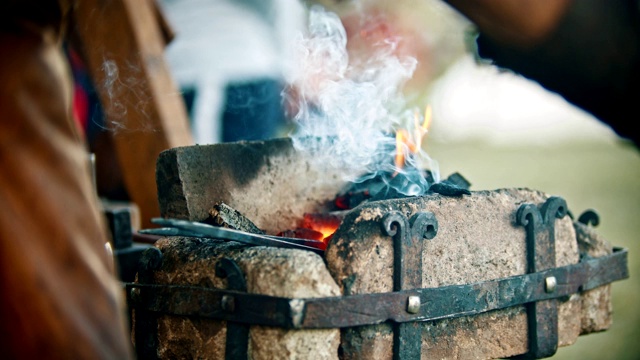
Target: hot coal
[(316, 226), (321, 221), (350, 199)]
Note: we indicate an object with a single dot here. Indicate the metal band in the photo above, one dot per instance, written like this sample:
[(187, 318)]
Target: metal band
[(367, 309), (408, 236), (541, 255), (237, 344), (146, 324)]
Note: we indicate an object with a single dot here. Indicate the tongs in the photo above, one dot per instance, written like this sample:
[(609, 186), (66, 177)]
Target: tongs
[(177, 227)]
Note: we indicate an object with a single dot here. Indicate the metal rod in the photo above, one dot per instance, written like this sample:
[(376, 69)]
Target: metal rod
[(197, 229)]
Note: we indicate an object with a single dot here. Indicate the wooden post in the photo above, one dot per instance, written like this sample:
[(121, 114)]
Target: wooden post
[(122, 42)]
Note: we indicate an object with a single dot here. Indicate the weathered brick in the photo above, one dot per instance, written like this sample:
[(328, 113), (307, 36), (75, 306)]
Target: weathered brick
[(266, 181), (268, 271)]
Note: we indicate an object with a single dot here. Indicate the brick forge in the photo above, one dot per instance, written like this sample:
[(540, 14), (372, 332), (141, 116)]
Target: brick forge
[(478, 239)]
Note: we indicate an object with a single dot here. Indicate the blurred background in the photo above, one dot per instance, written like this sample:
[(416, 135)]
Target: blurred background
[(550, 146), (495, 128), (500, 130)]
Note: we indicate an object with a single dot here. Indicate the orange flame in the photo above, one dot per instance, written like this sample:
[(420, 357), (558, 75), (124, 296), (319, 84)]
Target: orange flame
[(404, 142), (326, 224), (326, 231)]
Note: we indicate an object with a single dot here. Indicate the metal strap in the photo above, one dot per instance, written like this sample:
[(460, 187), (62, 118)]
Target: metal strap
[(408, 236), (237, 345), (146, 324), (541, 255), (368, 309)]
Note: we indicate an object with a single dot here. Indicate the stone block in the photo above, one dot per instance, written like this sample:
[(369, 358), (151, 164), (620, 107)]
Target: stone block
[(477, 240), (267, 181), (268, 271)]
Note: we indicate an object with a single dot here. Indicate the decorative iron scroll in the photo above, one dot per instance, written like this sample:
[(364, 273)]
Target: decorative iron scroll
[(541, 255), (408, 236)]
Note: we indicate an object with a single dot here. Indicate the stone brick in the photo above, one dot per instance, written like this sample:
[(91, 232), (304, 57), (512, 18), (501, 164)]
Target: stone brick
[(268, 271), (266, 181), (477, 240), (597, 306)]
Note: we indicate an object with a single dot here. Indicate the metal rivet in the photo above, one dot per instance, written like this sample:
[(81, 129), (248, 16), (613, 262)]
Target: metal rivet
[(135, 294), (550, 284), (297, 311), (413, 304), (228, 303)]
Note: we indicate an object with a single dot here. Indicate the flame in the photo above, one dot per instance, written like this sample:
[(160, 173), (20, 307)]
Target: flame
[(326, 224), (422, 130), (326, 231), (412, 145), (402, 140)]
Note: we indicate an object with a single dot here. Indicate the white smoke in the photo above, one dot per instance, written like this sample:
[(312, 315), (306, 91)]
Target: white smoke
[(348, 111)]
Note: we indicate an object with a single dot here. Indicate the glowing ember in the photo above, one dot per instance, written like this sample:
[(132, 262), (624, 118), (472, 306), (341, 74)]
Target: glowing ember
[(315, 226), (326, 224)]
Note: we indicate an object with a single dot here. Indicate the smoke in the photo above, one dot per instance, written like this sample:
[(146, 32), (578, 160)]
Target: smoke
[(114, 110), (348, 110), (126, 100)]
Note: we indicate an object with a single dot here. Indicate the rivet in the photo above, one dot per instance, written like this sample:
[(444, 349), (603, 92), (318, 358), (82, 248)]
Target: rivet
[(135, 294), (550, 284), (413, 304), (228, 303), (297, 311)]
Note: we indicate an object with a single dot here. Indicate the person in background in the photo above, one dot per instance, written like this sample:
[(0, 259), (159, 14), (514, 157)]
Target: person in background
[(588, 51), (59, 294), (228, 58)]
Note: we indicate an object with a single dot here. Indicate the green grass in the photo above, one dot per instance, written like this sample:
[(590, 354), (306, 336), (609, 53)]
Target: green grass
[(600, 176)]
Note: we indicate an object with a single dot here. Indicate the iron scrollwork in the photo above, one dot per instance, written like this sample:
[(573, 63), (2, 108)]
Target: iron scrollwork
[(408, 236)]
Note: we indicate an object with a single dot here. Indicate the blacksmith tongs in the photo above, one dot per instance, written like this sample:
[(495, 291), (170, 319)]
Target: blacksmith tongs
[(176, 227)]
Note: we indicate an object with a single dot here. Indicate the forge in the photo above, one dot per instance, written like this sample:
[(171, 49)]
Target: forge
[(480, 274)]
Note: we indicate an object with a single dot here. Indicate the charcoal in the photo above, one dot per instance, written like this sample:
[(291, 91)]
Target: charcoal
[(371, 183), (458, 180), (387, 194), (410, 182), (350, 200), (384, 186), (448, 189)]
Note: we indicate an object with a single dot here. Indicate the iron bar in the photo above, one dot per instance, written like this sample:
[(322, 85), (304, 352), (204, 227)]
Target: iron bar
[(368, 309)]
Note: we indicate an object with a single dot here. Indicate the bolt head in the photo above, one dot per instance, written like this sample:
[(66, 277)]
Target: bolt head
[(134, 294), (228, 303), (413, 304), (550, 284)]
